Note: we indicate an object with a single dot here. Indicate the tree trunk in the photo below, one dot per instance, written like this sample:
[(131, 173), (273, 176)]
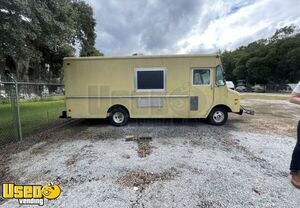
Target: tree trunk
[(22, 67)]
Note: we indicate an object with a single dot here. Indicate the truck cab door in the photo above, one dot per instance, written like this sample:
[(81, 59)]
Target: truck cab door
[(201, 92), (221, 89)]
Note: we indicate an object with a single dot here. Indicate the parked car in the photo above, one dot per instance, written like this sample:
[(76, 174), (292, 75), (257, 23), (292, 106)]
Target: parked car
[(230, 85), (287, 89), (241, 89), (241, 82), (258, 88)]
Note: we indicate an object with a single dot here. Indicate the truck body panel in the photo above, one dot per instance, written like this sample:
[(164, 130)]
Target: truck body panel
[(94, 84)]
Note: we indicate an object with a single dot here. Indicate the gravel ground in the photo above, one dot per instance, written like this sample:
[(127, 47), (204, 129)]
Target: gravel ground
[(188, 163)]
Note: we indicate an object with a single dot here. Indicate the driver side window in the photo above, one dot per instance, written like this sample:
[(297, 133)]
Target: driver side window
[(220, 81)]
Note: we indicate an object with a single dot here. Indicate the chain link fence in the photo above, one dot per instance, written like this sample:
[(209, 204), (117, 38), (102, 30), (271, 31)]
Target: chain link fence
[(8, 114), (26, 108)]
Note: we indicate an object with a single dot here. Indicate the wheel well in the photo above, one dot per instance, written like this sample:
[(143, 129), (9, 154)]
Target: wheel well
[(117, 106), (223, 106)]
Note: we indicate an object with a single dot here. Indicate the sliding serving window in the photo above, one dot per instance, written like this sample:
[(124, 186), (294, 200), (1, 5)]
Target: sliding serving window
[(150, 79)]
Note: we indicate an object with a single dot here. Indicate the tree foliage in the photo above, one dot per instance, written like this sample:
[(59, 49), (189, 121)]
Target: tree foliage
[(35, 35), (268, 61), (85, 29)]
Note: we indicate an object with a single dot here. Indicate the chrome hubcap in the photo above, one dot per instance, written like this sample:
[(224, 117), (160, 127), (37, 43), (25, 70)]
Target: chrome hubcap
[(118, 117), (218, 116)]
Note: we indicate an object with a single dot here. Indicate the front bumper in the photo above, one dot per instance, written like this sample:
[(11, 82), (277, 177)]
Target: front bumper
[(247, 111), (241, 112)]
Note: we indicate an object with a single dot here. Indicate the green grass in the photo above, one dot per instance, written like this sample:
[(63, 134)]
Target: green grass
[(35, 114), (246, 96)]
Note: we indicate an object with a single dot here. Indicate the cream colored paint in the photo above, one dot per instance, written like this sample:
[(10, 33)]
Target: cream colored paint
[(94, 84)]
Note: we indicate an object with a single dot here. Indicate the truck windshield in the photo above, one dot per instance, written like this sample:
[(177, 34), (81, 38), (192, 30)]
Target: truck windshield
[(219, 77)]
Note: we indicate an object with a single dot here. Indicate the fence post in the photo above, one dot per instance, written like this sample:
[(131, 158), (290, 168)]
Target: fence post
[(16, 100), (18, 112)]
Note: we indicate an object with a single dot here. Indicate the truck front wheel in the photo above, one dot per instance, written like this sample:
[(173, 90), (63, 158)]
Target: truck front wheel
[(118, 117), (218, 116)]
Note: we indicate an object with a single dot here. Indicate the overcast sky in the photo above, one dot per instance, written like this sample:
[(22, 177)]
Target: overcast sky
[(187, 26)]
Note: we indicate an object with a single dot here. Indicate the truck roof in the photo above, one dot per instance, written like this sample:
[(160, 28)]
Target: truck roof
[(214, 55)]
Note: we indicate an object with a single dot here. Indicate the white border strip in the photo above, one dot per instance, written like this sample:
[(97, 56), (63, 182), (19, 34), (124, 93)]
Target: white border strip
[(145, 69)]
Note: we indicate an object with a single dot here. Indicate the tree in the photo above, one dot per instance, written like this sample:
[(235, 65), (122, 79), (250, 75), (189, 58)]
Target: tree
[(293, 60), (283, 33), (228, 64), (36, 33), (266, 61), (86, 29)]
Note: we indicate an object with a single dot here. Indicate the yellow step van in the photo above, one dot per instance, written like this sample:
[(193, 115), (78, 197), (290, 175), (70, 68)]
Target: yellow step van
[(166, 86)]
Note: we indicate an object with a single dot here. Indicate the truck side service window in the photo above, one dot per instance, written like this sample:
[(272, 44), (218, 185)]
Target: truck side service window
[(150, 79), (201, 77)]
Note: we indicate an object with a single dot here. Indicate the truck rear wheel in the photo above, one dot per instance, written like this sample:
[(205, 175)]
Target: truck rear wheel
[(218, 116), (118, 117)]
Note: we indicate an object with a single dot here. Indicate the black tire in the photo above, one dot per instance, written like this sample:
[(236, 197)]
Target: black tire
[(218, 116), (118, 117)]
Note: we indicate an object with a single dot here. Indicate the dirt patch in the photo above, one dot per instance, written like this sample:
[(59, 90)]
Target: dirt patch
[(265, 124), (144, 148), (71, 161), (141, 179), (271, 117), (279, 126)]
